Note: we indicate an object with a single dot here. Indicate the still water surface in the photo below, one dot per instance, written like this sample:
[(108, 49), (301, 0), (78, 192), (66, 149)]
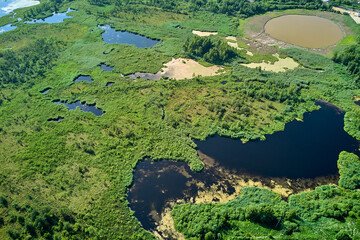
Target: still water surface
[(112, 36), (305, 150), (304, 31), (83, 106), (7, 28), (83, 78), (55, 18)]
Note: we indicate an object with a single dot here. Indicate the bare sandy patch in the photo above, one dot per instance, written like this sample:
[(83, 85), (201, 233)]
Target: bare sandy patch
[(279, 66), (203, 34), (181, 68), (352, 14), (235, 44), (231, 38), (166, 228), (187, 68), (226, 188)]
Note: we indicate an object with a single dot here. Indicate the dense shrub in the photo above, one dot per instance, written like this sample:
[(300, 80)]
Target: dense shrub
[(349, 169)]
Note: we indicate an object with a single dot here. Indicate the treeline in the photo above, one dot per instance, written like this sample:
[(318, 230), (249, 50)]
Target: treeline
[(217, 52), (350, 57), (29, 62), (32, 222), (259, 212), (216, 221), (353, 4), (50, 6), (349, 169), (245, 8), (240, 8)]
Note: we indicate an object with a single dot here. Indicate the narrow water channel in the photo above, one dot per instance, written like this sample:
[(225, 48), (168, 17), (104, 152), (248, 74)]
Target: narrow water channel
[(299, 158)]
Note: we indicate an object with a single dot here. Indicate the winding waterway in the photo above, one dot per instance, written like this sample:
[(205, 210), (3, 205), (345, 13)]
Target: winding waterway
[(301, 157)]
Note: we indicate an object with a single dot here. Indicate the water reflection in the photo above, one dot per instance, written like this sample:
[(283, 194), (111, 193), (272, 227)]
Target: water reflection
[(112, 36)]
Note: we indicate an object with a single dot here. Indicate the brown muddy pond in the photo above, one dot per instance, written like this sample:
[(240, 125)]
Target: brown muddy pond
[(304, 31)]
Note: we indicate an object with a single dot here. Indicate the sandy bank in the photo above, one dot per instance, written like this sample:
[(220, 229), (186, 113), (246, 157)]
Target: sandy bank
[(233, 43), (279, 66), (181, 68), (203, 34)]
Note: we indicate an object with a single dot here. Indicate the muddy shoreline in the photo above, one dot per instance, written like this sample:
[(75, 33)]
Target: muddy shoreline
[(258, 38)]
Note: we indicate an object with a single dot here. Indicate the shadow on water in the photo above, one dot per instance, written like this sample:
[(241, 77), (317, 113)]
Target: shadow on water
[(83, 106), (305, 149), (112, 36), (300, 158), (106, 68)]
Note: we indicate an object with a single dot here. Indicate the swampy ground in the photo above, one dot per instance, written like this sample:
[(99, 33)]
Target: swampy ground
[(65, 174)]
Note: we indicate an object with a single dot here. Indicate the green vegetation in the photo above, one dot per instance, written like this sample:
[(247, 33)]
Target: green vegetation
[(327, 211), (29, 62), (69, 179), (350, 57), (240, 8), (349, 169), (203, 47), (351, 4)]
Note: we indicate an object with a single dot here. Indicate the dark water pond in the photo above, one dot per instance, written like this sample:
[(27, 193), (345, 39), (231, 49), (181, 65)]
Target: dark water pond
[(55, 119), (305, 153), (7, 6), (45, 91), (83, 78), (357, 102), (106, 68), (55, 18), (83, 106), (108, 84), (303, 150), (112, 36)]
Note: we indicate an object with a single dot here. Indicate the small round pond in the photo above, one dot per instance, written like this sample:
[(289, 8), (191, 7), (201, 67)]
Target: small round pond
[(304, 31)]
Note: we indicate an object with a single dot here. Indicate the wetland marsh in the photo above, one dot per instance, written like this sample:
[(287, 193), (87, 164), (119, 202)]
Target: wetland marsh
[(299, 158), (238, 148)]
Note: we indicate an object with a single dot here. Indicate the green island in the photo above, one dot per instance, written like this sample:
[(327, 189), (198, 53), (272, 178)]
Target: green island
[(65, 174)]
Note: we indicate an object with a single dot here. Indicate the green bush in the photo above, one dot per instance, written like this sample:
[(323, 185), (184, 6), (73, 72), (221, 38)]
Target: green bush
[(349, 169)]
